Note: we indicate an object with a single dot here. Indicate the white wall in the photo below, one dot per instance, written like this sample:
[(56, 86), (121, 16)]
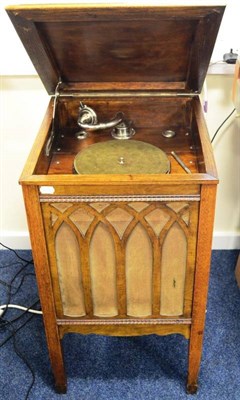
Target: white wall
[(23, 104), (16, 61), (226, 148), (24, 101)]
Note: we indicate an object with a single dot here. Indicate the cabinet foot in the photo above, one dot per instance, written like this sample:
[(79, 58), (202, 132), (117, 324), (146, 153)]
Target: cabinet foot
[(61, 388), (192, 388)]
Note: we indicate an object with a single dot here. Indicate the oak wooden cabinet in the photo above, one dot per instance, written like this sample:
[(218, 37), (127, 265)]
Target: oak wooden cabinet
[(121, 254)]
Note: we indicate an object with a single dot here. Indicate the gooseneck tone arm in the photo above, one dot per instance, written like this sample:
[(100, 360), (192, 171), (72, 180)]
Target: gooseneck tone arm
[(87, 119)]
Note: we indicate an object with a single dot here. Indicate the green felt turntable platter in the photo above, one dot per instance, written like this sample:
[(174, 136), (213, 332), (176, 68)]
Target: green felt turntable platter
[(122, 157)]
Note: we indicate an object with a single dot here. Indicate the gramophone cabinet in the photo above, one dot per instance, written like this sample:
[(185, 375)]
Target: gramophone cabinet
[(120, 246)]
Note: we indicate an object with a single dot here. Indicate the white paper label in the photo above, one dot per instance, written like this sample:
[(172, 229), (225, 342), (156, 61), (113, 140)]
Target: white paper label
[(46, 189)]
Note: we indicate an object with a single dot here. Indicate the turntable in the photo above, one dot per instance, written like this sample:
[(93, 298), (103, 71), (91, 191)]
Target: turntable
[(120, 185), (117, 156)]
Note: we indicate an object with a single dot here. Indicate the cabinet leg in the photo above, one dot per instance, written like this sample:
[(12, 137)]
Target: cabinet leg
[(203, 260), (194, 360), (42, 268), (192, 388), (61, 387), (57, 363)]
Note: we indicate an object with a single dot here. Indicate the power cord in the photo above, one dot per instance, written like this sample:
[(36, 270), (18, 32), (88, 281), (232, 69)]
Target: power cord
[(8, 324), (4, 323), (218, 129), (21, 356), (30, 310), (21, 282), (18, 256), (9, 286)]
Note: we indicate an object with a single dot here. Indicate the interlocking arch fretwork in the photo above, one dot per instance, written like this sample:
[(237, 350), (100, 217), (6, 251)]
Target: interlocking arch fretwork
[(152, 226)]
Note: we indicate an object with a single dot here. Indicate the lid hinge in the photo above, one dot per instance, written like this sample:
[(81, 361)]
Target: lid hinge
[(52, 134), (125, 93)]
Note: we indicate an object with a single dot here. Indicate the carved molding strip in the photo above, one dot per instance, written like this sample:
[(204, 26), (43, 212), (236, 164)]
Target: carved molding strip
[(165, 321), (98, 199)]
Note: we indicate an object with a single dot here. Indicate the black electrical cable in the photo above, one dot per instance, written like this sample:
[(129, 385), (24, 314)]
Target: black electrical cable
[(10, 285), (18, 256), (218, 129), (22, 357), (11, 282), (11, 264), (21, 282), (5, 283), (16, 329), (5, 322), (9, 324)]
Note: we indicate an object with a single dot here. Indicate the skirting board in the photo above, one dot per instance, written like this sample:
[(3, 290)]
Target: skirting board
[(226, 240), (15, 240), (221, 240)]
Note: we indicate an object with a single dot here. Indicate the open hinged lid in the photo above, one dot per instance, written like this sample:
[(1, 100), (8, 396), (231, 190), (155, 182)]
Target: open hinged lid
[(119, 47)]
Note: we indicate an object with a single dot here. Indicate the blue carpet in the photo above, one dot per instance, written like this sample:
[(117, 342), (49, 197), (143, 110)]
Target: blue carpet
[(103, 368)]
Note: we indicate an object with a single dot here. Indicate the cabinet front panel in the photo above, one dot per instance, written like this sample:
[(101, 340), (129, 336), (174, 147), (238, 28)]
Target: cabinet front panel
[(122, 259)]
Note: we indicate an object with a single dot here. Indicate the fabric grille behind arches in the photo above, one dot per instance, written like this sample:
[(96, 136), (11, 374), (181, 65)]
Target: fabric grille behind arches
[(125, 259), (103, 272), (69, 272), (173, 271), (139, 261)]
